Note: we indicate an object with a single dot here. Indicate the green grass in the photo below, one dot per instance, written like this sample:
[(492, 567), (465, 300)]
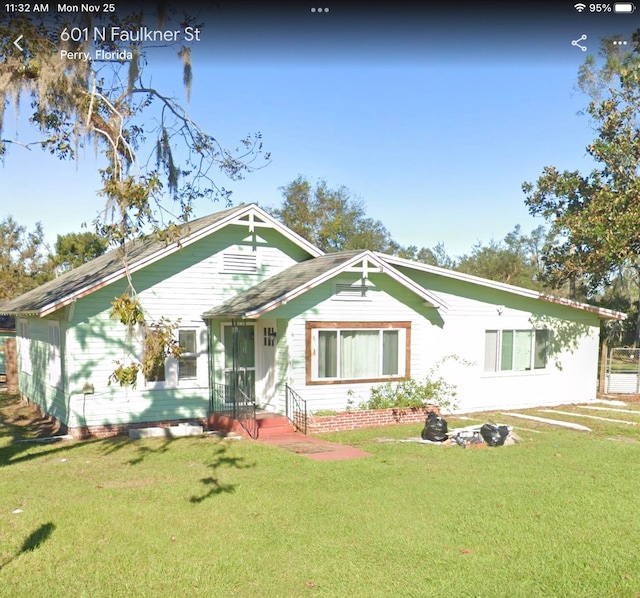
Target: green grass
[(555, 515)]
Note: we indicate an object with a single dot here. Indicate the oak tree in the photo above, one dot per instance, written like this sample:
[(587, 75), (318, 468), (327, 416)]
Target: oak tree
[(24, 259), (332, 219), (594, 217)]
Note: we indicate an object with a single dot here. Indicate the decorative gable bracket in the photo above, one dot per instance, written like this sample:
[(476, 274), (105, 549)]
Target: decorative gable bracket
[(364, 267)]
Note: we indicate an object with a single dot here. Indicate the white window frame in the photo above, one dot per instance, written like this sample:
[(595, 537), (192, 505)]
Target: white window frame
[(190, 355), (172, 379), (494, 349), (55, 359), (313, 330)]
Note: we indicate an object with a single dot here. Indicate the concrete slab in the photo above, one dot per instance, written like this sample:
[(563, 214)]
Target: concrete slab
[(611, 409), (178, 431), (552, 422), (596, 417)]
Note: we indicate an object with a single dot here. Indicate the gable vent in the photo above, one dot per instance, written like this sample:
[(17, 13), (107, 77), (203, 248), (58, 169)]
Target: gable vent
[(351, 291), (240, 263)]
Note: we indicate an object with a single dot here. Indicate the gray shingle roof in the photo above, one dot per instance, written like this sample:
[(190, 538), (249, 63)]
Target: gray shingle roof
[(277, 286), (109, 264)]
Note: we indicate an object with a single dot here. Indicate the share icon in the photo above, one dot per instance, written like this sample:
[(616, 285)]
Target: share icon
[(576, 42)]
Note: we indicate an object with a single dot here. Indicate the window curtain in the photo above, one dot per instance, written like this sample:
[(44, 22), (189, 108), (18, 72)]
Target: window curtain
[(327, 354), (390, 344), (522, 353), (491, 351), (359, 353)]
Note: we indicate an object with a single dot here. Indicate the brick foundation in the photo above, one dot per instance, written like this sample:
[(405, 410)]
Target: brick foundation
[(369, 418), (108, 430)]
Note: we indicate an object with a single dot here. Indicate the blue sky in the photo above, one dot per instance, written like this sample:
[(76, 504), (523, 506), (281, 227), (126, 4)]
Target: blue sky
[(435, 127)]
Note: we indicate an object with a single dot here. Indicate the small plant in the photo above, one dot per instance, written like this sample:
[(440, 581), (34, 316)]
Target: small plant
[(350, 400)]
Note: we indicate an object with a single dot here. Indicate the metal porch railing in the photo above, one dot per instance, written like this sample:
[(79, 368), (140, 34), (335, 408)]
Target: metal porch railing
[(296, 409)]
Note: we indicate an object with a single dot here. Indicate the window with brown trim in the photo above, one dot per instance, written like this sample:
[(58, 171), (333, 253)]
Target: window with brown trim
[(339, 352)]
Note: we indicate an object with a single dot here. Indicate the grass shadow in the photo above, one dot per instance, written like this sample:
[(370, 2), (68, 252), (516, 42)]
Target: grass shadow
[(35, 539), (117, 443), (212, 484)]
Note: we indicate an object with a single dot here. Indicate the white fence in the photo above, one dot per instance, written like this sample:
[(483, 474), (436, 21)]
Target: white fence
[(623, 371)]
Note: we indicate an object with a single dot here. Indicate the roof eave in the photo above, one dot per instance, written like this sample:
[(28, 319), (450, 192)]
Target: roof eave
[(385, 268), (605, 314), (232, 218)]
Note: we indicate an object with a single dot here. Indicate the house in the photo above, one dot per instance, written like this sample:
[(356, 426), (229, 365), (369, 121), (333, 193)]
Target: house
[(264, 317)]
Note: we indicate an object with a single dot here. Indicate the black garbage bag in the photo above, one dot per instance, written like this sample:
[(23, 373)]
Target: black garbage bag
[(435, 428), (494, 435)]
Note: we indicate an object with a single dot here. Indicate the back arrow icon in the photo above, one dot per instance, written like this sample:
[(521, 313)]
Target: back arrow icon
[(17, 45)]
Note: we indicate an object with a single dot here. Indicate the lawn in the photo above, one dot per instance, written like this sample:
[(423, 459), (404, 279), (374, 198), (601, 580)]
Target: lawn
[(555, 515)]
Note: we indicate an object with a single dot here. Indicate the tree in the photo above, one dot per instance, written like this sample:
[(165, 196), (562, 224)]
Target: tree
[(515, 260), (595, 217), (155, 161), (434, 256), (24, 259), (331, 218), (74, 249)]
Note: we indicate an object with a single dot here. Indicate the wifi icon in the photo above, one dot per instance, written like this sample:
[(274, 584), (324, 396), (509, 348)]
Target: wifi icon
[(579, 7)]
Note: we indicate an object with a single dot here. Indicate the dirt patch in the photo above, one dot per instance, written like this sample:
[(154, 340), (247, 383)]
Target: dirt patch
[(23, 420), (624, 439)]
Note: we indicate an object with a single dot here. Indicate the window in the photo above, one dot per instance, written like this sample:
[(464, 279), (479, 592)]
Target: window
[(516, 350), (357, 351), (169, 371), (188, 363), (55, 363)]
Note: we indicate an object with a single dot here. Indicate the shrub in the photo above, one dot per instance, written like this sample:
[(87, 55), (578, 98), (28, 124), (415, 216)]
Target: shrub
[(410, 393)]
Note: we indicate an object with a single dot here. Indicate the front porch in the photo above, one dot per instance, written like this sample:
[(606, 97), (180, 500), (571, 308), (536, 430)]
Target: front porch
[(247, 373)]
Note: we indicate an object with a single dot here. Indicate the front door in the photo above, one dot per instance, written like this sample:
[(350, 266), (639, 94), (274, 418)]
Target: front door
[(239, 362)]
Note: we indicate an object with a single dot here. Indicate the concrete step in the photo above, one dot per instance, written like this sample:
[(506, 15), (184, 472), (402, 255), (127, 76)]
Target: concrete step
[(272, 424)]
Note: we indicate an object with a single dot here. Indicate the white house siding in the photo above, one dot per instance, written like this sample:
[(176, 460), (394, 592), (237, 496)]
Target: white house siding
[(181, 286), (571, 372), (459, 331), (34, 380), (387, 301)]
